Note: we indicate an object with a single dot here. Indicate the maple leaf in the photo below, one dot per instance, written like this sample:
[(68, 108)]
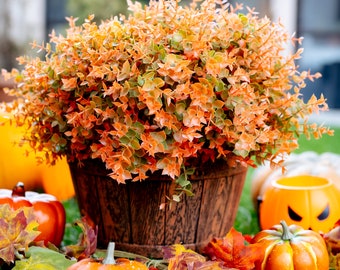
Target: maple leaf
[(332, 240), (233, 251), (181, 258), (18, 228), (87, 243)]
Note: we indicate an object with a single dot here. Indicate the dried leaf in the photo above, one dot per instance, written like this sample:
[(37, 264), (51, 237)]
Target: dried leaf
[(332, 240), (18, 228), (233, 251), (181, 258), (87, 243)]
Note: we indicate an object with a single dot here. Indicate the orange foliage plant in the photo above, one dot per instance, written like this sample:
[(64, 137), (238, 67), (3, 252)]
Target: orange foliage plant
[(166, 86)]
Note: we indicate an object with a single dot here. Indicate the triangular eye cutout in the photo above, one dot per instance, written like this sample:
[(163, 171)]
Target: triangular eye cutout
[(324, 214), (293, 215)]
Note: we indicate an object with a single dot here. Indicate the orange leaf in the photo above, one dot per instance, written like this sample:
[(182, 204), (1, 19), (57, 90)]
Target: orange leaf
[(181, 258), (233, 251), (69, 84)]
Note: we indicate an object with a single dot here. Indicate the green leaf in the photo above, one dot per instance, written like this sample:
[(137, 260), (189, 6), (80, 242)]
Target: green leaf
[(44, 259), (138, 127), (125, 140), (130, 141), (140, 80), (189, 171), (241, 152), (176, 198), (131, 134), (188, 192), (134, 143), (182, 180), (158, 136), (50, 72), (244, 18), (180, 107)]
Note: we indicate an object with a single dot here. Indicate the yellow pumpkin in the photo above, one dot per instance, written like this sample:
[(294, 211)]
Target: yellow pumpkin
[(16, 166), (310, 202), (307, 163)]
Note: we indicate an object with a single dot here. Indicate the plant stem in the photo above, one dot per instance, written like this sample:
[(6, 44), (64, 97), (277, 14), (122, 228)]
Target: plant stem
[(19, 190), (109, 258), (286, 234)]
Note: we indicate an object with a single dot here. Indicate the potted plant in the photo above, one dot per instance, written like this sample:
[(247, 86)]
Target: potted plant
[(174, 90)]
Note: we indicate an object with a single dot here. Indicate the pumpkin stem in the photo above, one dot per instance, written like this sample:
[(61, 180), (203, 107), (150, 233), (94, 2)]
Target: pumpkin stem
[(109, 258), (286, 234), (18, 190)]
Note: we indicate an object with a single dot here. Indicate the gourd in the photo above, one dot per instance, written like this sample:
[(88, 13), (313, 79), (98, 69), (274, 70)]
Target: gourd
[(307, 163), (49, 212), (16, 166), (108, 262), (291, 247), (311, 202)]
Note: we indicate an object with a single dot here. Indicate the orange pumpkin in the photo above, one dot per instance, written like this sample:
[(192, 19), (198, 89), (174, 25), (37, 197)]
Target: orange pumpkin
[(307, 163), (292, 247), (108, 263), (49, 212), (308, 201), (16, 166)]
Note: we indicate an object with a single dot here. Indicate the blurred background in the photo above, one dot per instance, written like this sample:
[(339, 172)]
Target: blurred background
[(24, 21)]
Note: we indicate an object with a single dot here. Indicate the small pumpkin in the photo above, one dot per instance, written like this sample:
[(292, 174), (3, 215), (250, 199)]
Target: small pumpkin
[(291, 247), (108, 262), (50, 213), (308, 201), (307, 163)]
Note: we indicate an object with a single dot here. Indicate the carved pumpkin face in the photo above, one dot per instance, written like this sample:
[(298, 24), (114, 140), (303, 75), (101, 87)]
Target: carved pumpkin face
[(308, 201)]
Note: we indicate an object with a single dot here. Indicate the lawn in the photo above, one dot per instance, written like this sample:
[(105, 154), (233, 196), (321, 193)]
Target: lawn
[(246, 220)]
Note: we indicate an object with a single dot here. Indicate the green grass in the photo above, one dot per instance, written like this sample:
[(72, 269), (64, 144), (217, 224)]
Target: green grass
[(72, 214), (246, 220)]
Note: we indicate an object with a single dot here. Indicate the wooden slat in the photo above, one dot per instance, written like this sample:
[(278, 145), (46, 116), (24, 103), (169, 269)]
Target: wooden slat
[(131, 216)]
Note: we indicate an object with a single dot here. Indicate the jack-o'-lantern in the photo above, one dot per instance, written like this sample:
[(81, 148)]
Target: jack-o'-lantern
[(307, 163), (308, 201)]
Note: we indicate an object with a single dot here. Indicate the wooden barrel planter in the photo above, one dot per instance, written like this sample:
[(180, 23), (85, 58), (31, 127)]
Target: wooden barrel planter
[(129, 214)]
